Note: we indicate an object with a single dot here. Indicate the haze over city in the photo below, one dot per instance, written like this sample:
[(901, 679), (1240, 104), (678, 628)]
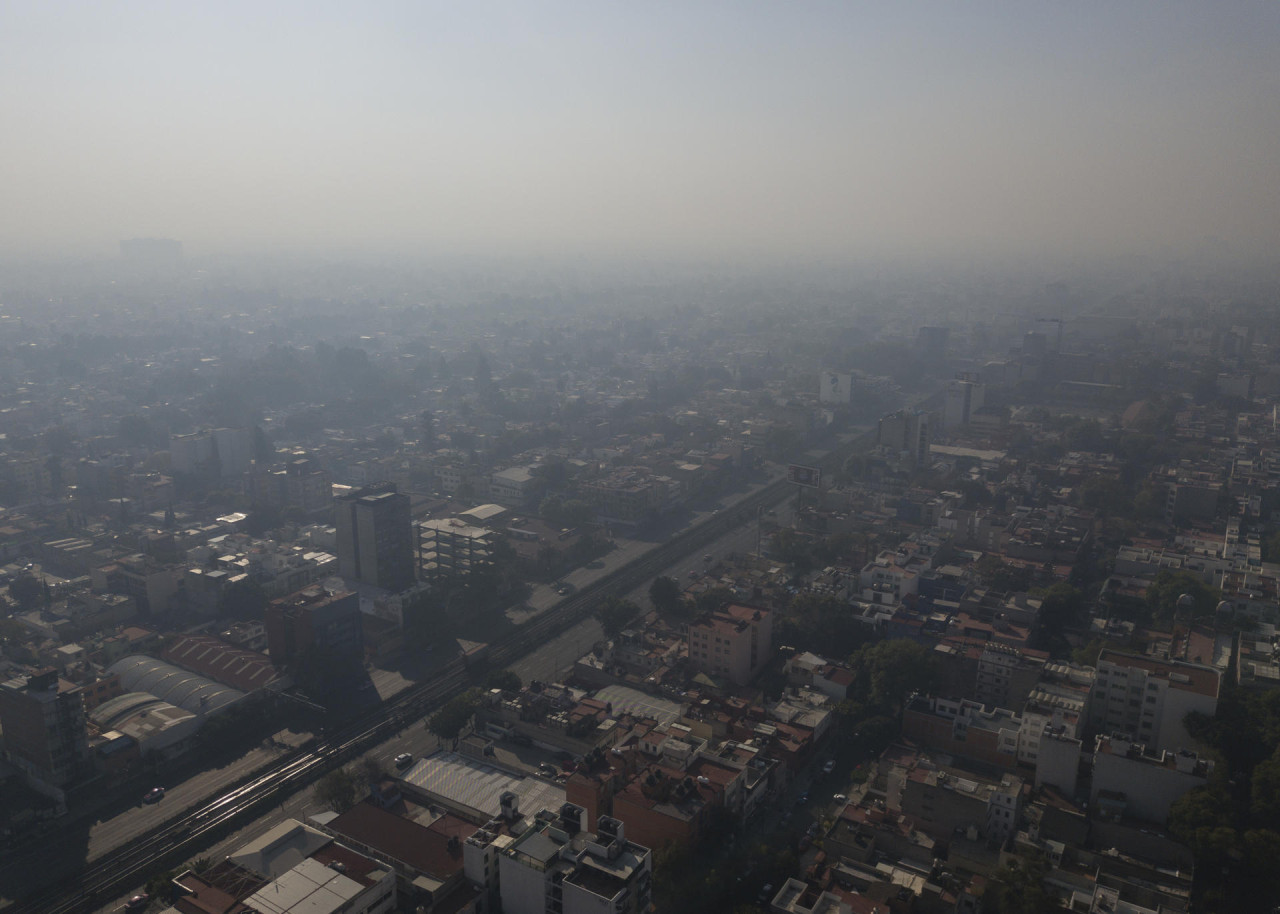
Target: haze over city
[(647, 458), (820, 131)]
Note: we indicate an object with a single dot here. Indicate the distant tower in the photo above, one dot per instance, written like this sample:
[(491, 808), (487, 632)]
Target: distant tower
[(375, 537), (931, 344)]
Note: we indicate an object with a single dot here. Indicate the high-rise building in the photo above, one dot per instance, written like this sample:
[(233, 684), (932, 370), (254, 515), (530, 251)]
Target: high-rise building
[(962, 397), (375, 537), (316, 636), (906, 433), (44, 728)]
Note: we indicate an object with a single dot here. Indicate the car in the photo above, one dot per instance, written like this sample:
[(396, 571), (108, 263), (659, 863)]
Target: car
[(766, 892), (802, 799), (707, 557), (564, 588), (154, 795), (137, 902), (840, 798), (829, 767), (404, 760), (521, 739)]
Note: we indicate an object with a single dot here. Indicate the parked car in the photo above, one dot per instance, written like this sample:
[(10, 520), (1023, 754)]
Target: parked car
[(137, 902), (829, 766), (154, 795), (404, 760), (840, 798)]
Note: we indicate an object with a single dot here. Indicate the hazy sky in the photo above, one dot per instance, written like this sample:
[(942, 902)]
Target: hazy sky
[(788, 129)]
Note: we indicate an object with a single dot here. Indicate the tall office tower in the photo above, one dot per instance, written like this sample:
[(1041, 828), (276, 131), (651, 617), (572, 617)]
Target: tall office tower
[(44, 728), (962, 397), (906, 433), (375, 537)]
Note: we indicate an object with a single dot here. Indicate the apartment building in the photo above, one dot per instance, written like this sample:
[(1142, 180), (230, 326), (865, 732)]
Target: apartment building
[(1148, 698)]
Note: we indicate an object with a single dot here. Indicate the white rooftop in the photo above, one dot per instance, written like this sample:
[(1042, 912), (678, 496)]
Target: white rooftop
[(469, 782), (308, 888)]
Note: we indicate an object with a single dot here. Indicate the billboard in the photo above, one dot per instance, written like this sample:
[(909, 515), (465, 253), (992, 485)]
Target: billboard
[(805, 476)]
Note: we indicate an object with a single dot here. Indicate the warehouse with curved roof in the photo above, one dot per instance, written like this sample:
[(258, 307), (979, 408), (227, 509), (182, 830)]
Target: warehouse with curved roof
[(189, 691)]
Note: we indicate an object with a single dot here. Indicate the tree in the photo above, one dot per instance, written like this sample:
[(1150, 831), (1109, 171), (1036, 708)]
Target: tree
[(1164, 592), (665, 594), (337, 790), (448, 722), (713, 600), (1019, 888), (371, 770), (503, 679), (615, 615), (27, 590), (1087, 655), (889, 671)]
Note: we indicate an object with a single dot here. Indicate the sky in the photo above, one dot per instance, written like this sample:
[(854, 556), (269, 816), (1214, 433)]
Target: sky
[(738, 130)]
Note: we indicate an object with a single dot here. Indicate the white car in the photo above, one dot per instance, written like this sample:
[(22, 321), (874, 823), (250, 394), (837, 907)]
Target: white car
[(829, 767), (404, 760)]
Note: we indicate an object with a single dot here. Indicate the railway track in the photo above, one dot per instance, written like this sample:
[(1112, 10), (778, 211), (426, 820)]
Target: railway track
[(199, 827)]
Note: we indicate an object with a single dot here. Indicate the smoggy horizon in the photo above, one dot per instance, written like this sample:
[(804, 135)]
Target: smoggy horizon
[(731, 132)]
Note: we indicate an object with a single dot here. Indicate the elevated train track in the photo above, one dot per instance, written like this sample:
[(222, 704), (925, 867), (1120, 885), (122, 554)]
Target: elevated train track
[(198, 828)]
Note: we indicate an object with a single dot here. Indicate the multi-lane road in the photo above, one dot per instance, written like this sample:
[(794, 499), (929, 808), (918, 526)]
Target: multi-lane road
[(197, 827)]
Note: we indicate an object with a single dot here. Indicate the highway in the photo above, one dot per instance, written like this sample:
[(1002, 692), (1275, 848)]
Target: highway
[(192, 831)]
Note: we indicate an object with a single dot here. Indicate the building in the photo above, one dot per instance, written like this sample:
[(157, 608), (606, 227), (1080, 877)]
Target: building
[(307, 872), (964, 728), (375, 537), (944, 801), (43, 722), (224, 452), (1129, 782), (316, 636), (835, 387), (556, 866), (736, 642), (512, 487), (451, 547), (906, 434), (1147, 699), (961, 398)]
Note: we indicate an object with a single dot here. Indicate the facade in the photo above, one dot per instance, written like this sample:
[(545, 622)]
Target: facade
[(375, 537), (450, 547), (736, 642), (225, 452), (962, 397), (1147, 699), (835, 387), (43, 720), (906, 433), (964, 728), (512, 487), (315, 635), (1127, 781)]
